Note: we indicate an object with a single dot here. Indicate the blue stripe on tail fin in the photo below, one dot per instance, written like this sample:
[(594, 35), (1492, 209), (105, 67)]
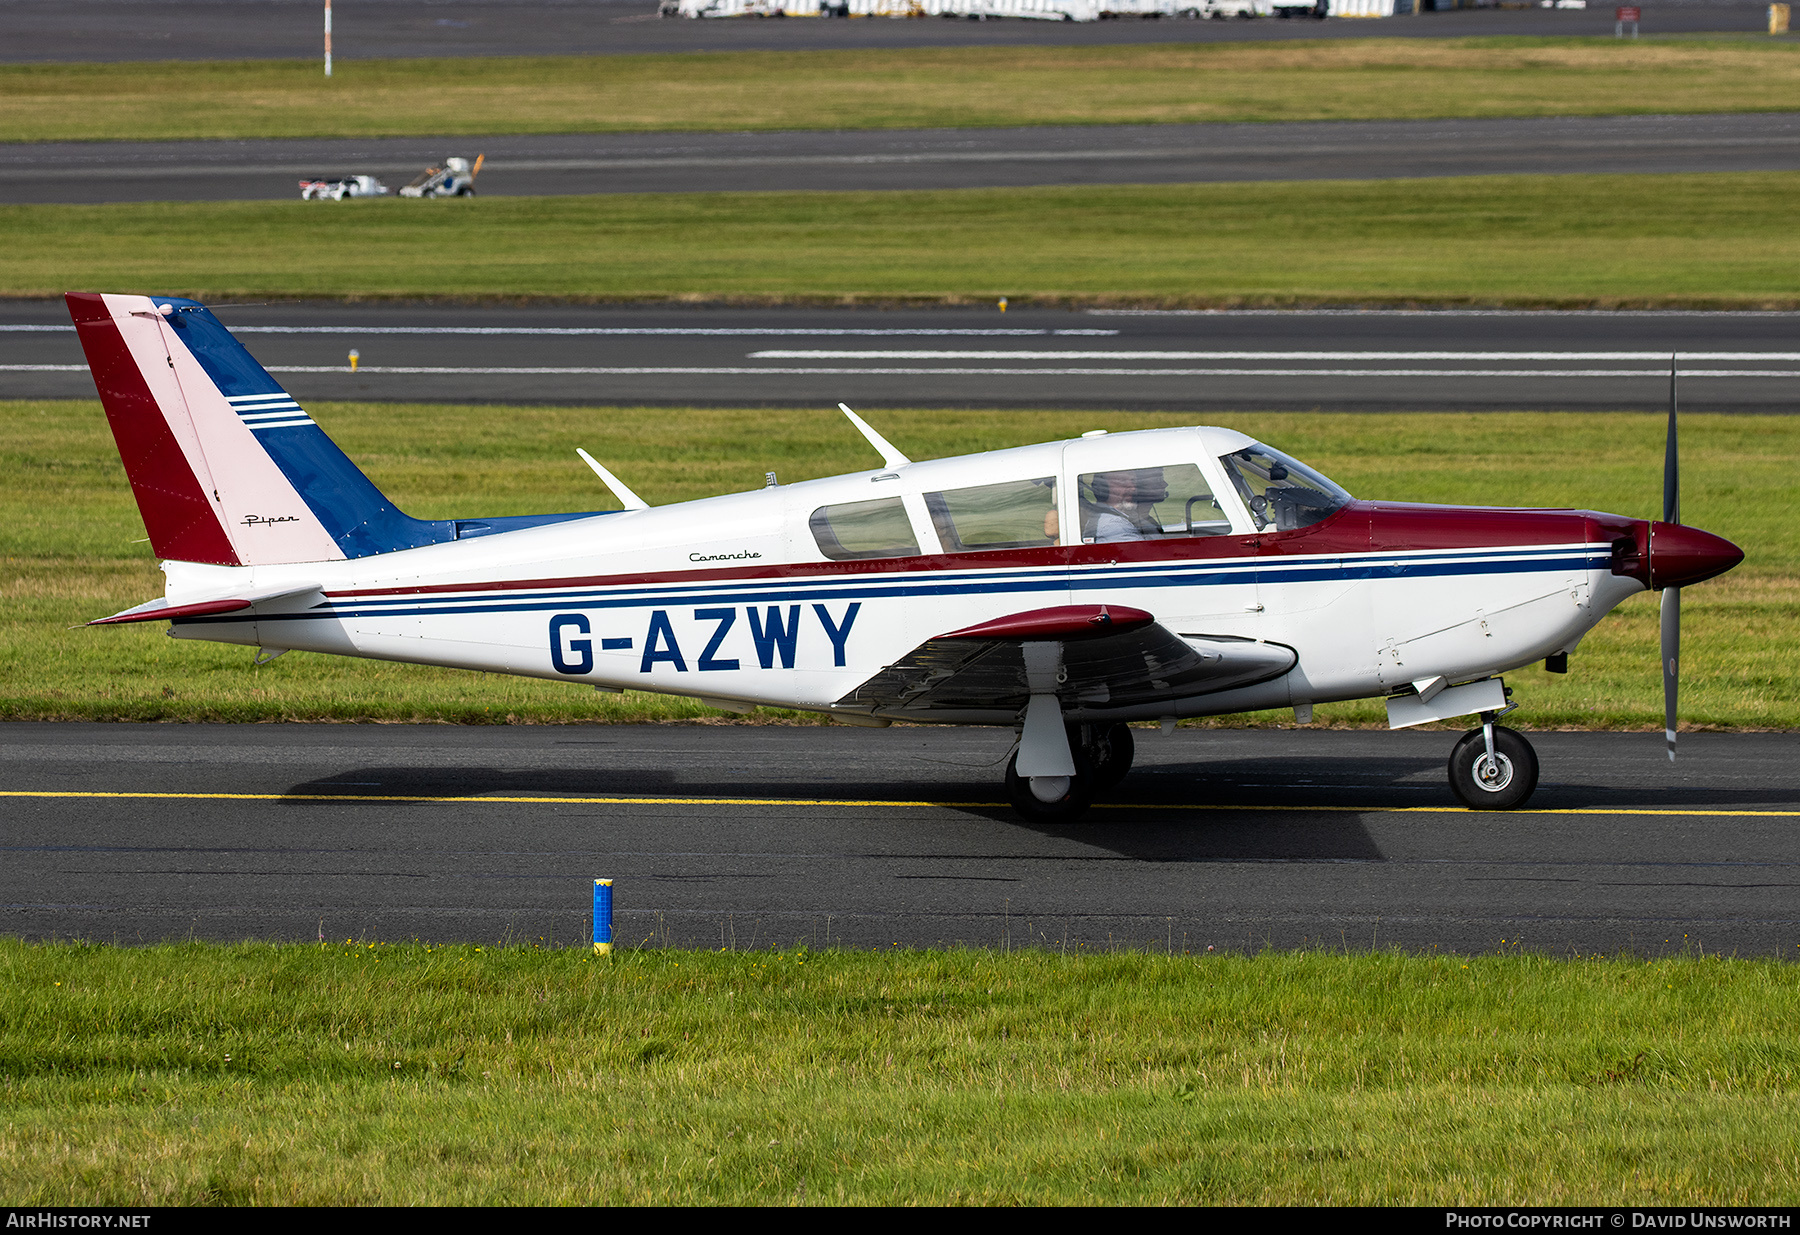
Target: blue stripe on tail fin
[(353, 511), (356, 514)]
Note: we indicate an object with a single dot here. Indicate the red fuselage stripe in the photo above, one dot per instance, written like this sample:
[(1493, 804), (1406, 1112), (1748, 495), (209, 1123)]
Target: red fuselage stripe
[(1361, 527)]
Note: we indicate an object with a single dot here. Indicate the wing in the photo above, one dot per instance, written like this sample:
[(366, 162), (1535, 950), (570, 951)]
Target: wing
[(1111, 657)]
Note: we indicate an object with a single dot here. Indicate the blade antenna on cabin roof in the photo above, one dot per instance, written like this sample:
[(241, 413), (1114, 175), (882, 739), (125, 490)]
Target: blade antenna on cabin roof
[(627, 499), (889, 456)]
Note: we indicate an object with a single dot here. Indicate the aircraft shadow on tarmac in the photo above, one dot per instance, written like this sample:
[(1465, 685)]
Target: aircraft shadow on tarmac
[(1386, 783), (1293, 809), (1127, 822)]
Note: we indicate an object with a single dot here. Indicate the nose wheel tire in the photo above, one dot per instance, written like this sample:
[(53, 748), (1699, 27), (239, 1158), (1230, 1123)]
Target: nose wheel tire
[(1505, 782)]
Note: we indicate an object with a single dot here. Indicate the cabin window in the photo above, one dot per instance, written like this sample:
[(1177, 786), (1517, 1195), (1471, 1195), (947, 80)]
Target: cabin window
[(857, 530), (1148, 503), (1018, 514), (1282, 493)]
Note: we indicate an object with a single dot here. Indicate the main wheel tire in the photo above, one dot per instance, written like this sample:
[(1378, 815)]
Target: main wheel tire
[(1070, 806), (1109, 749), (1507, 784)]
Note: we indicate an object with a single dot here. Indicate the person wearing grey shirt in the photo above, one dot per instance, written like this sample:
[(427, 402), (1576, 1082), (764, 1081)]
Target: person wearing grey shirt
[(1122, 502)]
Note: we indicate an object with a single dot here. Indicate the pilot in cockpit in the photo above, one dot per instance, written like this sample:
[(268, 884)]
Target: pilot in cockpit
[(1122, 507)]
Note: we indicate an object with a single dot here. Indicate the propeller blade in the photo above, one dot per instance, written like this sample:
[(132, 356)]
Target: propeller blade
[(1671, 597), (1671, 656), (1671, 461)]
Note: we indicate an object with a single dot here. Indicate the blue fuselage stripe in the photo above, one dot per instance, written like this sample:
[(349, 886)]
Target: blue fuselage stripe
[(1260, 571), (1167, 574)]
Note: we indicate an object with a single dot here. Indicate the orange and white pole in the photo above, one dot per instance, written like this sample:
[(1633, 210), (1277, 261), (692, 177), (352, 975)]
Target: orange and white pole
[(328, 38)]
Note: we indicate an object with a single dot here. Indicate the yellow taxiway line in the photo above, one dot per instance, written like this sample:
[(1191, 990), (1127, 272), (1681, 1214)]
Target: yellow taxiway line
[(872, 802)]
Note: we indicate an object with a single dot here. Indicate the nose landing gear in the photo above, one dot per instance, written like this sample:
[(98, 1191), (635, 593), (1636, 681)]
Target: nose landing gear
[(1493, 767)]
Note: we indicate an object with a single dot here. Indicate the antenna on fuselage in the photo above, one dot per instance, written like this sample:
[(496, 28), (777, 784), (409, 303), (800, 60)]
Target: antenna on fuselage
[(627, 499), (889, 456)]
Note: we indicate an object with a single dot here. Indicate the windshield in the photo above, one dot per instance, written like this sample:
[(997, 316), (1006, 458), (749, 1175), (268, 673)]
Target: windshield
[(1281, 493)]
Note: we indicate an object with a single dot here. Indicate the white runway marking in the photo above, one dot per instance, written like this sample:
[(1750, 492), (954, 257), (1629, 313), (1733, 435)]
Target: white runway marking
[(726, 331), (946, 371), (941, 354), (649, 370), (1606, 313)]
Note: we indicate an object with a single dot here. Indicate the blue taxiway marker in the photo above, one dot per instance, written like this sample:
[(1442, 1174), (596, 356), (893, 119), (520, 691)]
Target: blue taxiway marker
[(602, 917)]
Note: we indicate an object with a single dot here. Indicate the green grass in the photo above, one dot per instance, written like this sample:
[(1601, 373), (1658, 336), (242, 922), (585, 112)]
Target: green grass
[(363, 1074), (1361, 79), (68, 527), (1706, 240)]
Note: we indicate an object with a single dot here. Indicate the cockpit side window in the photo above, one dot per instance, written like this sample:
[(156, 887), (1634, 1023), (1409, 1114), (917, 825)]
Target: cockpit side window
[(1015, 514), (1148, 503), (1282, 493), (859, 530)]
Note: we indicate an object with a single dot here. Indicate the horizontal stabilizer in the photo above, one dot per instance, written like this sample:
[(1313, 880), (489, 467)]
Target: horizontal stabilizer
[(162, 609)]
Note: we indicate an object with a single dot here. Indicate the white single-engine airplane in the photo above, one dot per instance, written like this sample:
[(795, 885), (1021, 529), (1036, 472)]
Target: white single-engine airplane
[(1063, 589)]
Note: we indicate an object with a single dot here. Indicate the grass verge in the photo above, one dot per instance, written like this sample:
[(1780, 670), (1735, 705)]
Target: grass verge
[(358, 1073), (1719, 240), (68, 527), (1360, 79)]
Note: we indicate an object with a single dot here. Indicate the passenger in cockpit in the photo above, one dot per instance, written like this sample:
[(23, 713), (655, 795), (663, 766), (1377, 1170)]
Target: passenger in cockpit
[(1123, 502)]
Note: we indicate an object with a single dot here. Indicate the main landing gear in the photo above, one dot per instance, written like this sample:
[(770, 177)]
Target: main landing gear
[(1493, 767), (1102, 755)]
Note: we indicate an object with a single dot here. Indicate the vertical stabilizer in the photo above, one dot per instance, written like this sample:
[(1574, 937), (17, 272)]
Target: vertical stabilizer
[(225, 465)]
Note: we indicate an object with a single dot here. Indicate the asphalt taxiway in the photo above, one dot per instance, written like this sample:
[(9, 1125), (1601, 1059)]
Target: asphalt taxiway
[(979, 357), (757, 836), (114, 30), (78, 172)]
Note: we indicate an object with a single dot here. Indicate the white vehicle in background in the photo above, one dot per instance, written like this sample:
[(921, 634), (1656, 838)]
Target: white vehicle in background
[(1025, 10), (1220, 10), (344, 186), (972, 10), (456, 178)]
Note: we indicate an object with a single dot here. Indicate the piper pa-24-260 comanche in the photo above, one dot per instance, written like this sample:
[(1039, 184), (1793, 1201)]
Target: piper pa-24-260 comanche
[(1063, 589)]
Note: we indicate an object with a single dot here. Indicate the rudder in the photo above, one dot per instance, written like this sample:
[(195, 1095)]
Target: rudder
[(226, 466)]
